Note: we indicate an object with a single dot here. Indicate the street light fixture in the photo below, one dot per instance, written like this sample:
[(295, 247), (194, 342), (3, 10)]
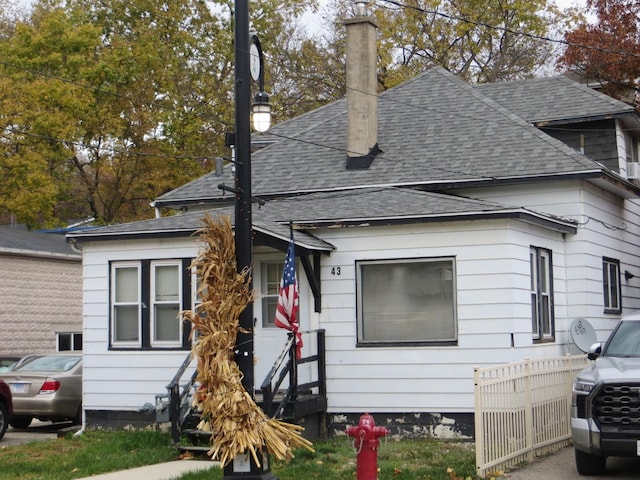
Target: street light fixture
[(261, 109), (261, 112)]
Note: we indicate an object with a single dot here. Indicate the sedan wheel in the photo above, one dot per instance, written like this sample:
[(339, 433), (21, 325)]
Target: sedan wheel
[(20, 422), (4, 419)]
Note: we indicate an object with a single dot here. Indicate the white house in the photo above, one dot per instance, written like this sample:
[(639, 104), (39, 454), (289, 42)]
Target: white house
[(449, 226)]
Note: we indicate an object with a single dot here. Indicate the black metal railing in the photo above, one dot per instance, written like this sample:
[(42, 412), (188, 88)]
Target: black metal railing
[(179, 398), (275, 397)]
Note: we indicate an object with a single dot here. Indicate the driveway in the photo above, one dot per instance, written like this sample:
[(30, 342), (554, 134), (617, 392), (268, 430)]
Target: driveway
[(561, 465), (37, 431)]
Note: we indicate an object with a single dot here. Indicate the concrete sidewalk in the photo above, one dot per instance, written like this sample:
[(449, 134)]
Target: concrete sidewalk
[(159, 471)]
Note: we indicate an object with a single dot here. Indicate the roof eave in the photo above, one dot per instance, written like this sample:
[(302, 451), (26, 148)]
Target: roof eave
[(558, 225)]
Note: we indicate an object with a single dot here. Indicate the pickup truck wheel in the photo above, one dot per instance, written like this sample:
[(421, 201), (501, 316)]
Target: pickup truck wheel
[(588, 464)]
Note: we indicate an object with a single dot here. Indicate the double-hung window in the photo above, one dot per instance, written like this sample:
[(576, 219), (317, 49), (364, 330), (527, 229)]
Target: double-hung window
[(147, 297), (611, 285), (166, 302), (409, 301), (126, 304), (542, 316)]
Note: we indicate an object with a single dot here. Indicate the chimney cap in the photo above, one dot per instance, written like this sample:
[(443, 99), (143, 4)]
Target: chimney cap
[(361, 7)]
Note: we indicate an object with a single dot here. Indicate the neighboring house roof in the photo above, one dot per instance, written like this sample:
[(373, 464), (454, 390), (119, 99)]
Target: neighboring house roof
[(370, 206), (435, 132), (17, 241), (554, 100)]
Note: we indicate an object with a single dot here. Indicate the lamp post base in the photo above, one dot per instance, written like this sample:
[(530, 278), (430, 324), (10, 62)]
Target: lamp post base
[(243, 467)]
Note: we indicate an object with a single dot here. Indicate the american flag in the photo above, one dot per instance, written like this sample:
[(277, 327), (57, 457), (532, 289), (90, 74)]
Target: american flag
[(287, 308)]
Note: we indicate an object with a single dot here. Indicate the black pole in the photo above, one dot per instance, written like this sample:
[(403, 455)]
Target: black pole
[(243, 243), (243, 467)]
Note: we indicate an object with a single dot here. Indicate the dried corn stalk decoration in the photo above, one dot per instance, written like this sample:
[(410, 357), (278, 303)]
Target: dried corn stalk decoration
[(236, 423)]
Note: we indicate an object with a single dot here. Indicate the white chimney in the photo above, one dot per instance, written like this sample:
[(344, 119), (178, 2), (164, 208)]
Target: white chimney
[(362, 81)]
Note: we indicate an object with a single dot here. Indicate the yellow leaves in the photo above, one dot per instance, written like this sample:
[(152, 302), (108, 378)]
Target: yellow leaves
[(451, 474)]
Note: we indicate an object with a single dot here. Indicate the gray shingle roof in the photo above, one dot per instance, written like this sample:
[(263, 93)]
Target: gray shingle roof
[(433, 130), (554, 99), (384, 205), (18, 241)]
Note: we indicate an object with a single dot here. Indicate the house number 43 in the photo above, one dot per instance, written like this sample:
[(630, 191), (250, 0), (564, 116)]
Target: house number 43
[(335, 271)]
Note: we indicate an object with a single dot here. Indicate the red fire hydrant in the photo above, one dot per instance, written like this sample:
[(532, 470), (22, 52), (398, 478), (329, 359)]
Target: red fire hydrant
[(366, 444)]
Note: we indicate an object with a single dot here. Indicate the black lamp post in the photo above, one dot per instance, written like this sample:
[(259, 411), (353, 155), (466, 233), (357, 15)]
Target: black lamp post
[(247, 66)]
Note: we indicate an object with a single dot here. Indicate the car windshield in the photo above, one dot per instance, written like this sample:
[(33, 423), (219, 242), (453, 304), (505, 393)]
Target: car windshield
[(625, 342), (50, 364)]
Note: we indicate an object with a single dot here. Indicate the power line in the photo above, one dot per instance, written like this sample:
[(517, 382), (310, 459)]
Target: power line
[(509, 30)]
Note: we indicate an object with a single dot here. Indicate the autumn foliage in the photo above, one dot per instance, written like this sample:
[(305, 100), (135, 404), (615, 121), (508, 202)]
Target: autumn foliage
[(608, 50)]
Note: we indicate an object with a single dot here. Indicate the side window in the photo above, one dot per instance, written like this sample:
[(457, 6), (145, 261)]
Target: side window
[(166, 304), (611, 285), (406, 302), (126, 304), (147, 297), (69, 342), (270, 275), (542, 310)]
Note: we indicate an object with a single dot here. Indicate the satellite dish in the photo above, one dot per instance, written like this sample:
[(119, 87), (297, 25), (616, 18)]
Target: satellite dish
[(582, 334)]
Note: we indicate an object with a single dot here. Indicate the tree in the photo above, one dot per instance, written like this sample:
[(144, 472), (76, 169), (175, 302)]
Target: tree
[(108, 104), (478, 40), (607, 51)]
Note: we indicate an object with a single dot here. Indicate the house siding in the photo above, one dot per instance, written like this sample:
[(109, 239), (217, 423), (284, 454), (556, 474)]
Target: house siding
[(608, 226), (493, 305), (492, 262), (147, 372), (40, 296)]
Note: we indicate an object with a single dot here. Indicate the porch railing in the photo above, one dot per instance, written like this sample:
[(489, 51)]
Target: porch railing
[(276, 394), (522, 410)]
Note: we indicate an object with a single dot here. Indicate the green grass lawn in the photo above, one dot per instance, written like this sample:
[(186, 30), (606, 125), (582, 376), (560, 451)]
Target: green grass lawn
[(97, 452)]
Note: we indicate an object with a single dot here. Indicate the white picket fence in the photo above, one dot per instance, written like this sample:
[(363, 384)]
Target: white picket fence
[(522, 410)]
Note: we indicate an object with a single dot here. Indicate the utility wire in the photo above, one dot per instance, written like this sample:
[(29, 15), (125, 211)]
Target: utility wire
[(509, 30)]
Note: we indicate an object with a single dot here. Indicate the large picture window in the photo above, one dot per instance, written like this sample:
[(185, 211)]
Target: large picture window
[(542, 317), (611, 285), (406, 301), (146, 299)]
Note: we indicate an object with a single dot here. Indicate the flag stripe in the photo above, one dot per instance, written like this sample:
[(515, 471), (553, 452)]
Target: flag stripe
[(287, 307)]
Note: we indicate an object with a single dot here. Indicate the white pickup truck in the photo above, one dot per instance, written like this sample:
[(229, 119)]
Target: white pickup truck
[(605, 406)]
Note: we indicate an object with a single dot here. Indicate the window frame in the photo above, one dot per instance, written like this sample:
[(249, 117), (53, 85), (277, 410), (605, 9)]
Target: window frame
[(74, 339), (268, 321), (153, 302), (361, 341), (607, 292), (540, 257), (114, 342), (145, 303)]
